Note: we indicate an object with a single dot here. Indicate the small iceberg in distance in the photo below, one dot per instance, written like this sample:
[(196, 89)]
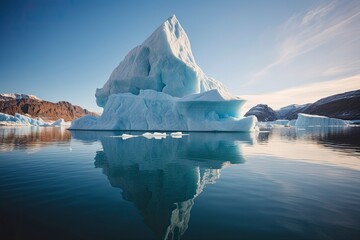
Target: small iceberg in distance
[(23, 120), (307, 120)]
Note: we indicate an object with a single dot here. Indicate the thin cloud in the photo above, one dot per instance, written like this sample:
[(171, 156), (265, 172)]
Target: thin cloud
[(342, 69), (306, 32)]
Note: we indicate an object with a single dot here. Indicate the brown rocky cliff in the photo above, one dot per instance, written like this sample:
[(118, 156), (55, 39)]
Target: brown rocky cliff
[(48, 111)]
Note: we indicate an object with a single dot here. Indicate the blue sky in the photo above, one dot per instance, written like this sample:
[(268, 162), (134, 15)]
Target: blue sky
[(275, 52)]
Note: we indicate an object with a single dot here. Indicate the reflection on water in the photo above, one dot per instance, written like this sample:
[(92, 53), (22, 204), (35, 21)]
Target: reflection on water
[(163, 177), (334, 146), (296, 184), (31, 138)]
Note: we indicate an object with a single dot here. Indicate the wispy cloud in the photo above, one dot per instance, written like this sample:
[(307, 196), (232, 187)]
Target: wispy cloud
[(305, 32), (307, 93), (341, 69)]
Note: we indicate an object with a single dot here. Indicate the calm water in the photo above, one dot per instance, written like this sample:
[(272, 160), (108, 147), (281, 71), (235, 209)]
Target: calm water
[(284, 184)]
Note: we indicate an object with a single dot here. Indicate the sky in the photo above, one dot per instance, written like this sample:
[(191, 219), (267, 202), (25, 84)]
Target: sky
[(272, 52)]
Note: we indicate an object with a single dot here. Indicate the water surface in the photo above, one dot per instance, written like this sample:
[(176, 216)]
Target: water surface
[(283, 184)]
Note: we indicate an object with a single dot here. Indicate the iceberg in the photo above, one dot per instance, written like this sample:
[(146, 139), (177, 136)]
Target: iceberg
[(307, 120), (159, 87), (274, 124)]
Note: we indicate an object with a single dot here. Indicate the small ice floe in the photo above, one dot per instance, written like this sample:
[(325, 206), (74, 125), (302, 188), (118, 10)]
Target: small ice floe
[(177, 134), (156, 135), (125, 136)]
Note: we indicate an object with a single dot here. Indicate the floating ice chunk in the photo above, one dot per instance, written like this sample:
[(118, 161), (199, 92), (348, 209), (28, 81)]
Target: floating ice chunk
[(59, 122), (156, 135), (307, 120), (273, 124), (125, 136), (147, 134), (177, 134)]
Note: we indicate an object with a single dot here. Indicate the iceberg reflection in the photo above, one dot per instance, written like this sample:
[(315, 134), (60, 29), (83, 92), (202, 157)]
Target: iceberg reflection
[(163, 177)]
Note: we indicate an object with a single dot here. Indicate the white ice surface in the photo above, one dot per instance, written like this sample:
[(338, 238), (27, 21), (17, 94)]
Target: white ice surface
[(21, 120), (151, 110), (5, 96), (307, 120), (272, 124)]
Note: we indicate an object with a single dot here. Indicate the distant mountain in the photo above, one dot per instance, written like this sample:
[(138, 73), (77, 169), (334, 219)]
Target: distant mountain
[(36, 107), (10, 96), (291, 111), (344, 106), (263, 113)]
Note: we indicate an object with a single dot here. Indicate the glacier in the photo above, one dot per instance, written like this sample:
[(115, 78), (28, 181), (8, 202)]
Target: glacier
[(307, 120), (159, 86), (22, 120)]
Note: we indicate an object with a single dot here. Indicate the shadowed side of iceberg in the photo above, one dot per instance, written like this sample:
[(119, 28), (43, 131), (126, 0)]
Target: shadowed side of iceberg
[(152, 110)]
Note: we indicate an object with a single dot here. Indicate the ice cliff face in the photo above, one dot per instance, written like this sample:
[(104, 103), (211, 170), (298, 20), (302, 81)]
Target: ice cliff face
[(164, 63), (307, 120)]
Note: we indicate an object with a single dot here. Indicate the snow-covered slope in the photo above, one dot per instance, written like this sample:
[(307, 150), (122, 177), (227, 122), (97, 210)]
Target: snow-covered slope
[(158, 86), (7, 96), (164, 63), (343, 106), (291, 111)]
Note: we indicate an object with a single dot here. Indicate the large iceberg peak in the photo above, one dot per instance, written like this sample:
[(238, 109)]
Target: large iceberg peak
[(163, 62), (176, 39)]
